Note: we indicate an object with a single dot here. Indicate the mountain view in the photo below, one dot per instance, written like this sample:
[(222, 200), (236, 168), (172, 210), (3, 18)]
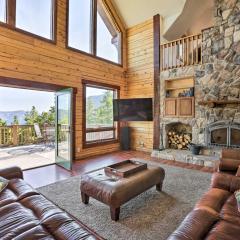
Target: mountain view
[(9, 116)]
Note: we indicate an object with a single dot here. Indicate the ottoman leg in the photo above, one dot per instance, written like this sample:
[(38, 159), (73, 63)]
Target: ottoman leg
[(159, 187), (85, 198), (115, 212)]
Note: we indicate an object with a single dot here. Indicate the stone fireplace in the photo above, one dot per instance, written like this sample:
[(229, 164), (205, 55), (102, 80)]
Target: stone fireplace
[(223, 133), (215, 120)]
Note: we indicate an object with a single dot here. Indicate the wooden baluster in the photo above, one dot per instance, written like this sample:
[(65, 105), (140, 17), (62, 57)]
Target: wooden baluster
[(182, 52), (163, 55), (15, 135), (161, 58), (196, 50), (172, 56), (168, 56), (192, 50), (200, 37)]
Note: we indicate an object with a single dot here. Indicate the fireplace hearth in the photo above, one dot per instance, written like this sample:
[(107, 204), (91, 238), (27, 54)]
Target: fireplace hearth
[(223, 133)]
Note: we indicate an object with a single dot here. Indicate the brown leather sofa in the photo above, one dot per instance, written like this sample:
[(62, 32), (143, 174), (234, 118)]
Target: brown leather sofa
[(26, 214), (229, 162), (215, 216)]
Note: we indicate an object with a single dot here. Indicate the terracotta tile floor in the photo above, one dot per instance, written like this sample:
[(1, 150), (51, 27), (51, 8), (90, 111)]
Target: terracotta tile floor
[(46, 175)]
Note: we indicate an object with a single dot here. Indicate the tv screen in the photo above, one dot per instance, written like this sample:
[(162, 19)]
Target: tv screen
[(139, 109)]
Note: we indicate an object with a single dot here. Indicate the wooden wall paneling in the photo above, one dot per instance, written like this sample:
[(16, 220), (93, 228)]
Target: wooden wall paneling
[(24, 57), (140, 77)]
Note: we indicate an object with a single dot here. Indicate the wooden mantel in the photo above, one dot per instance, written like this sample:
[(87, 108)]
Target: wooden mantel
[(214, 103)]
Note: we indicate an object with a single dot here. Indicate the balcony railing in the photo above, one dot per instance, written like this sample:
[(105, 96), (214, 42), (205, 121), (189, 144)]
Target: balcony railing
[(17, 135), (182, 52)]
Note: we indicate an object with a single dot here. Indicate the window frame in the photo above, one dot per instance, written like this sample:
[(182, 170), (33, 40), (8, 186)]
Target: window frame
[(11, 21), (93, 31), (85, 144)]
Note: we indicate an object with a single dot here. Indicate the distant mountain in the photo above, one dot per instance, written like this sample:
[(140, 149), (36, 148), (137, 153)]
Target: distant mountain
[(8, 116), (96, 100)]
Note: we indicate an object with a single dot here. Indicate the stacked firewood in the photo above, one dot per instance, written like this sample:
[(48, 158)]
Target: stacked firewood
[(178, 140)]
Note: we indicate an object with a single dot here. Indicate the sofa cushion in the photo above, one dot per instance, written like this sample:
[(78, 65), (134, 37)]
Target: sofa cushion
[(15, 219), (229, 211), (214, 198), (3, 183), (224, 230), (196, 225), (16, 190), (36, 233)]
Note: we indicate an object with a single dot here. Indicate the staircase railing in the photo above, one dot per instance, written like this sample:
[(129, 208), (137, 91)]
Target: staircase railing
[(181, 52)]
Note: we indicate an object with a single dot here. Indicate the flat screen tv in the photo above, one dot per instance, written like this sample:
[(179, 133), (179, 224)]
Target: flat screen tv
[(138, 109)]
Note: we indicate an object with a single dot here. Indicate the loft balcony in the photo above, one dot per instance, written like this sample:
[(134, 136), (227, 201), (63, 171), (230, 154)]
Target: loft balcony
[(182, 52)]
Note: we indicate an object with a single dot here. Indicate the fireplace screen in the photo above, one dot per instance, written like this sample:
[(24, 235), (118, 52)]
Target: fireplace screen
[(219, 136), (223, 134)]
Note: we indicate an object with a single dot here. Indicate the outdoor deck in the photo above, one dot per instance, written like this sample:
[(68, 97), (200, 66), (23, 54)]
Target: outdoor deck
[(28, 156)]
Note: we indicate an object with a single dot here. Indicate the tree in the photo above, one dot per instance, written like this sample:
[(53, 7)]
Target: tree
[(44, 118), (3, 123), (91, 112), (15, 120), (105, 110), (32, 116)]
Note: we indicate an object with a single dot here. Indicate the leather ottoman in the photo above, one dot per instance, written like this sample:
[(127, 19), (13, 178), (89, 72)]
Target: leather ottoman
[(116, 191)]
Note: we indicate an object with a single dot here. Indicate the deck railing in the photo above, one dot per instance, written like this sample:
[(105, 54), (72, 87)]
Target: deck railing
[(17, 135), (182, 52)]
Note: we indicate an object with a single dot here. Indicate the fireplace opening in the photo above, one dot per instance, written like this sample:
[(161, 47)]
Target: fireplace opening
[(179, 136), (223, 133)]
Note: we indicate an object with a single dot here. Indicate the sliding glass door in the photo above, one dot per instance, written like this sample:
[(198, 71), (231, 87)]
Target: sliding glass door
[(64, 122)]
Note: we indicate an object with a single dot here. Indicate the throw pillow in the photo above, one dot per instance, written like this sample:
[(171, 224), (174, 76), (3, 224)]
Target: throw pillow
[(237, 195), (3, 183)]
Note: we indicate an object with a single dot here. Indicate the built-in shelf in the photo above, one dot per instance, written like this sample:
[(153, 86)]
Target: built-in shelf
[(214, 103), (179, 101)]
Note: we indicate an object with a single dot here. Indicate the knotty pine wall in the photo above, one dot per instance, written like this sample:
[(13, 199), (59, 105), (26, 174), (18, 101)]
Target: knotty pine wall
[(28, 58), (140, 79)]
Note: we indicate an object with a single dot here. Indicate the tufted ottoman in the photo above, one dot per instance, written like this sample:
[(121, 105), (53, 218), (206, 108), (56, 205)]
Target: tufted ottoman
[(116, 191)]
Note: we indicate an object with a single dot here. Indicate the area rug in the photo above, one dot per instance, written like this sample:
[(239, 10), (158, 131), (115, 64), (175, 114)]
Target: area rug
[(150, 216)]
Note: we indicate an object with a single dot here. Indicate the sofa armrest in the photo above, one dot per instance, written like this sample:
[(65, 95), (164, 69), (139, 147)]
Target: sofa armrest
[(11, 173), (228, 164), (226, 182)]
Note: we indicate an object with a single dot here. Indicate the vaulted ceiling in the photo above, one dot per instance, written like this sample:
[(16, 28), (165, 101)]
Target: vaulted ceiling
[(134, 12), (179, 17)]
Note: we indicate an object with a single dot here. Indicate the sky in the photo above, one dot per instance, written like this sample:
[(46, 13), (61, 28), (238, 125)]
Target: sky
[(13, 99)]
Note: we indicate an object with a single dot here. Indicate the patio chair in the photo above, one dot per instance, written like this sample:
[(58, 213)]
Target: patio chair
[(39, 135), (49, 134)]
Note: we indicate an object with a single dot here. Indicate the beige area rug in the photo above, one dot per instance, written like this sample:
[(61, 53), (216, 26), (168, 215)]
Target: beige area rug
[(150, 216)]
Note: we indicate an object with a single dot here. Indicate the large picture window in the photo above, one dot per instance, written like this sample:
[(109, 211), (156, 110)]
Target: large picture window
[(80, 25), (98, 125), (93, 30), (3, 9), (35, 17), (30, 16)]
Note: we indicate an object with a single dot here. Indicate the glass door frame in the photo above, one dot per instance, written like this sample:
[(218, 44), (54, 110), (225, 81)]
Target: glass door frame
[(59, 159)]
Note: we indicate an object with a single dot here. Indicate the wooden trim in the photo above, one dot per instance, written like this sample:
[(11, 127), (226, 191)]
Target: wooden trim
[(11, 12), (94, 27), (156, 87), (100, 85), (104, 129), (93, 53), (85, 144), (27, 84), (11, 22)]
